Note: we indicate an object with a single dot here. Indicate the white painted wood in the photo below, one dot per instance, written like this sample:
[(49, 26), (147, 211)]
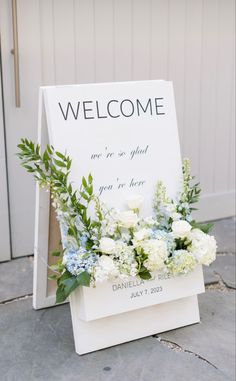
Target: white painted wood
[(90, 336), (5, 249), (216, 205), (46, 16), (159, 39), (83, 41), (224, 93), (123, 37), (141, 39), (209, 75), (119, 296), (192, 83), (176, 57), (64, 41), (21, 122), (103, 40)]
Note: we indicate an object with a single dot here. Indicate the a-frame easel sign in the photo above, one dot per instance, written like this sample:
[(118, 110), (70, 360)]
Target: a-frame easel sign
[(126, 135)]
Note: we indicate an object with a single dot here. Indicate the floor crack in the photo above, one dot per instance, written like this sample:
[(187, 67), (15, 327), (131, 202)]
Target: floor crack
[(224, 283), (174, 346), (16, 299)]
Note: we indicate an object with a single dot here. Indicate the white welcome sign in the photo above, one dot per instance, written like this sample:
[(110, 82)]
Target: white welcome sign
[(126, 136)]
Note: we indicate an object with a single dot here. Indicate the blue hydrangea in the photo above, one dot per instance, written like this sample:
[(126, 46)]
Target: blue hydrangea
[(165, 236), (78, 260)]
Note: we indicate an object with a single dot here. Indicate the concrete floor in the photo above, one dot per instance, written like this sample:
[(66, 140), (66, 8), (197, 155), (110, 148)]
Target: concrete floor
[(38, 345)]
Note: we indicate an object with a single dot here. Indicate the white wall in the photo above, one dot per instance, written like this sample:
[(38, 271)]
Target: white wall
[(188, 41)]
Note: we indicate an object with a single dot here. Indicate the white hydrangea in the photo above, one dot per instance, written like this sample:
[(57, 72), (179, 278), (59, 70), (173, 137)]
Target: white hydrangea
[(157, 252), (181, 262), (125, 235), (203, 247), (181, 228), (109, 226), (107, 245), (125, 259), (105, 269)]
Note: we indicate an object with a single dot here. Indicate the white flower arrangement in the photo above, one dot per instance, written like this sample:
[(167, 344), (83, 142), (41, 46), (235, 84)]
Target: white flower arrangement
[(118, 244)]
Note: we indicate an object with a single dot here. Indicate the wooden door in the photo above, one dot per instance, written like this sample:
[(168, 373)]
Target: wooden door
[(83, 41), (5, 250), (20, 121)]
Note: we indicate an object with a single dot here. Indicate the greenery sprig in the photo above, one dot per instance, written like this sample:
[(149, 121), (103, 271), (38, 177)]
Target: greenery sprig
[(165, 207), (51, 170)]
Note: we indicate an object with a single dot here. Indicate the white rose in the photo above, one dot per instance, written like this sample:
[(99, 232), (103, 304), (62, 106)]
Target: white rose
[(203, 247), (142, 234), (107, 245), (135, 202), (181, 228), (105, 269), (128, 219), (106, 263)]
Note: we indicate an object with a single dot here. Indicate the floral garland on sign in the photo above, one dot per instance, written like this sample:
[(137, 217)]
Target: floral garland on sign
[(117, 243)]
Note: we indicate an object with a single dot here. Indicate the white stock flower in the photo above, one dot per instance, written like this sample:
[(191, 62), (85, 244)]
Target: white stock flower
[(127, 219), (181, 228), (135, 202), (105, 269), (157, 252), (176, 216), (107, 245), (203, 247), (150, 221), (170, 209)]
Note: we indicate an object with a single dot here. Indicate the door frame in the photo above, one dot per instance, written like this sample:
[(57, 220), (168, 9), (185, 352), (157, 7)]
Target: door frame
[(5, 240)]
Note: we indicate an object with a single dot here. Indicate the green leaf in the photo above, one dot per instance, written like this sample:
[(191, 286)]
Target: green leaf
[(145, 275), (60, 155), (45, 157), (49, 149), (85, 197), (52, 277), (68, 164), (83, 279), (84, 182), (90, 178), (64, 276), (59, 163), (60, 295), (56, 253), (54, 267), (90, 190), (70, 285), (205, 228)]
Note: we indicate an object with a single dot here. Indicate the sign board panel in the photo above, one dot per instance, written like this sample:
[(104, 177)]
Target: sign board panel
[(119, 296), (126, 136)]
